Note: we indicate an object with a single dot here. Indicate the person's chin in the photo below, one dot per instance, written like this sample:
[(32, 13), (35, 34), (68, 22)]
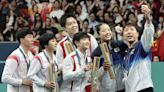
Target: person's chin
[(130, 41), (108, 39), (76, 30)]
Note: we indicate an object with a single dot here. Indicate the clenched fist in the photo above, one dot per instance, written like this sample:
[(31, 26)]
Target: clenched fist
[(106, 66), (145, 10)]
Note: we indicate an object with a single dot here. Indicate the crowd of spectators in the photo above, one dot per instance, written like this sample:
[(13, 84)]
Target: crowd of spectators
[(44, 16)]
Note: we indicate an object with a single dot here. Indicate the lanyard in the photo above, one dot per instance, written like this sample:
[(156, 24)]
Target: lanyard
[(49, 60), (28, 64), (78, 57), (128, 62)]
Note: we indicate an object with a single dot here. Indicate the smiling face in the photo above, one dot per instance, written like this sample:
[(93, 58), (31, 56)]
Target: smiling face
[(71, 26), (105, 32), (83, 44), (130, 34)]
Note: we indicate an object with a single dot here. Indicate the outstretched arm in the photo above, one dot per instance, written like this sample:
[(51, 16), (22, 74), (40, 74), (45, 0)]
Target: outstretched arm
[(148, 33)]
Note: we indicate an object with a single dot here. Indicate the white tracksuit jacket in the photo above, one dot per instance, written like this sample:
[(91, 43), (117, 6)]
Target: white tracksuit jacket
[(15, 70), (79, 77), (139, 73), (39, 72), (62, 52)]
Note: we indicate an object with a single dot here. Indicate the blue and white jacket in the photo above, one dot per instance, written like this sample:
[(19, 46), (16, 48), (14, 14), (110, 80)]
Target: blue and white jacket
[(116, 50), (137, 62)]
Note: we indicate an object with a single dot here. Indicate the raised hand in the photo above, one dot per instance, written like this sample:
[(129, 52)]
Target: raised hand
[(146, 11)]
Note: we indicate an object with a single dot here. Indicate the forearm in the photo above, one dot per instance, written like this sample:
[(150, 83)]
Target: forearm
[(7, 77), (148, 35), (74, 75), (34, 69), (11, 80), (37, 80)]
